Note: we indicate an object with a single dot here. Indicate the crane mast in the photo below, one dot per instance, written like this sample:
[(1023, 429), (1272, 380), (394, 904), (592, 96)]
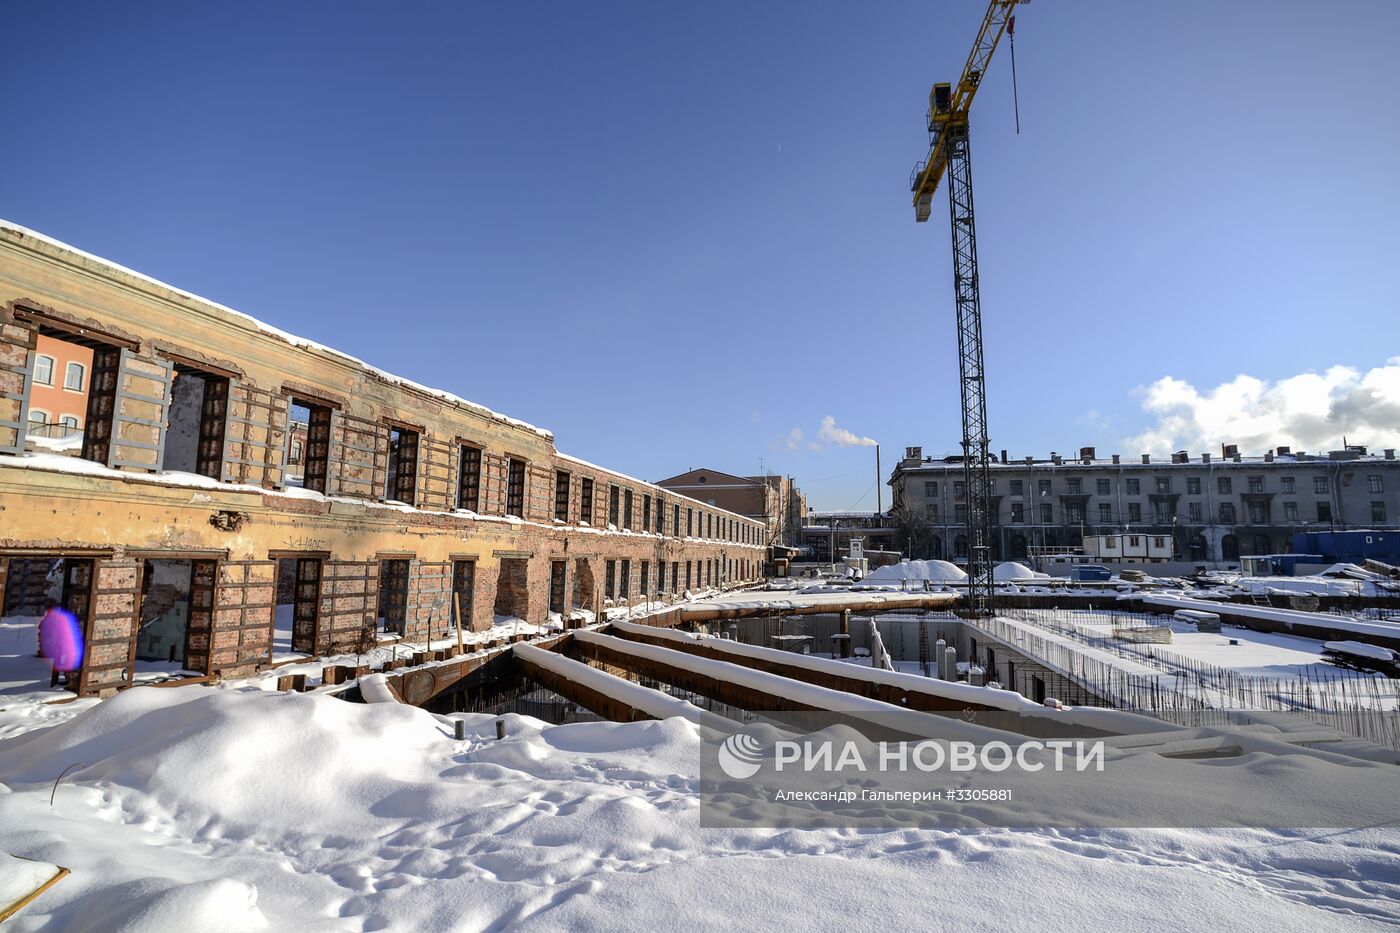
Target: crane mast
[(949, 155)]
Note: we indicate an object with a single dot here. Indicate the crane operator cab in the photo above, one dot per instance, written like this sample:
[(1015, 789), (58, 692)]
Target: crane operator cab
[(940, 101)]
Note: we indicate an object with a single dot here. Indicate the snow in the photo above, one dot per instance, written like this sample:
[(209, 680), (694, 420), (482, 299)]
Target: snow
[(782, 600), (1361, 649), (27, 702), (374, 688), (203, 809), (282, 631), (72, 441), (652, 702), (1009, 571), (19, 878), (1289, 617), (1008, 700), (938, 571), (1305, 586), (806, 695)]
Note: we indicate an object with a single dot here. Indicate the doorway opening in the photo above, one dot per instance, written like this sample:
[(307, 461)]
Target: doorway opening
[(298, 615), (512, 593), (163, 628), (583, 584), (393, 596), (463, 586)]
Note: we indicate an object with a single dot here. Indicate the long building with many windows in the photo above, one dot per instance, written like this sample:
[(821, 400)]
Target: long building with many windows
[(1213, 509), (230, 491)]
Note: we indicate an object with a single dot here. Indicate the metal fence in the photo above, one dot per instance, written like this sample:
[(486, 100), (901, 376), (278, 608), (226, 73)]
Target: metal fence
[(1360, 705)]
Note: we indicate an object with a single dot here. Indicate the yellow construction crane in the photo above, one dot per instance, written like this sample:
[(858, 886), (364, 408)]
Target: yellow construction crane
[(948, 107), (948, 155)]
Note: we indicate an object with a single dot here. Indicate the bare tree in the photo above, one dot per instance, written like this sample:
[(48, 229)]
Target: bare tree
[(915, 532)]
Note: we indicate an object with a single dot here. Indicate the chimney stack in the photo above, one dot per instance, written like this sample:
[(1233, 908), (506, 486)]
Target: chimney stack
[(1116, 459), (1146, 458)]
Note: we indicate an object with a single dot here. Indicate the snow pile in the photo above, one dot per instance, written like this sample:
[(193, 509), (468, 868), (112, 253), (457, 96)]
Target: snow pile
[(200, 809), (1011, 571), (67, 442), (1360, 649), (1304, 586), (937, 571)]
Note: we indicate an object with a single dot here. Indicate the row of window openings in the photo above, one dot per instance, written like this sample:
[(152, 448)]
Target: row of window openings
[(74, 374), (698, 573), (1074, 515), (401, 472), (621, 504), (310, 453), (1224, 485)]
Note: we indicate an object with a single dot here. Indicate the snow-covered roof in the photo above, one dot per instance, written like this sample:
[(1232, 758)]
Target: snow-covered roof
[(10, 227)]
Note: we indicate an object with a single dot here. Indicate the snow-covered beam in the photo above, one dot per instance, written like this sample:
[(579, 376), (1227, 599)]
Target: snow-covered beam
[(1320, 625), (907, 691), (605, 694), (761, 691)]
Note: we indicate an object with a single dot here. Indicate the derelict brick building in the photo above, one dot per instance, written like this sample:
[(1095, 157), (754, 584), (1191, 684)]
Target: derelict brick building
[(224, 468)]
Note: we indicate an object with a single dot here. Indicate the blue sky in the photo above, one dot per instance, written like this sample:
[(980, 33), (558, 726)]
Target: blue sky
[(674, 234)]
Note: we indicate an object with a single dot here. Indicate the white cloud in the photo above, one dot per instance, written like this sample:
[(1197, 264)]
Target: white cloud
[(831, 434), (828, 435), (1309, 411)]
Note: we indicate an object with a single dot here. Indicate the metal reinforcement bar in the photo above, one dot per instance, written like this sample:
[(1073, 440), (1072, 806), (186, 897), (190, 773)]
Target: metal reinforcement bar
[(764, 691), (834, 675)]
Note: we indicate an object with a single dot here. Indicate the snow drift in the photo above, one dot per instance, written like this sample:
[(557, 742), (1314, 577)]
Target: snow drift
[(936, 571), (221, 809)]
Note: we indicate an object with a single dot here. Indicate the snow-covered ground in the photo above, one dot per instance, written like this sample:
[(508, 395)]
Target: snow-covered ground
[(198, 809)]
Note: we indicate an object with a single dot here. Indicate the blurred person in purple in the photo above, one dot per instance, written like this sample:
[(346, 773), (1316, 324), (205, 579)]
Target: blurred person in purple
[(61, 641)]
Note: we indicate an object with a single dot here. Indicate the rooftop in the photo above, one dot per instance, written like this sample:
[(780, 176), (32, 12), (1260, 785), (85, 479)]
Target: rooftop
[(914, 460)]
